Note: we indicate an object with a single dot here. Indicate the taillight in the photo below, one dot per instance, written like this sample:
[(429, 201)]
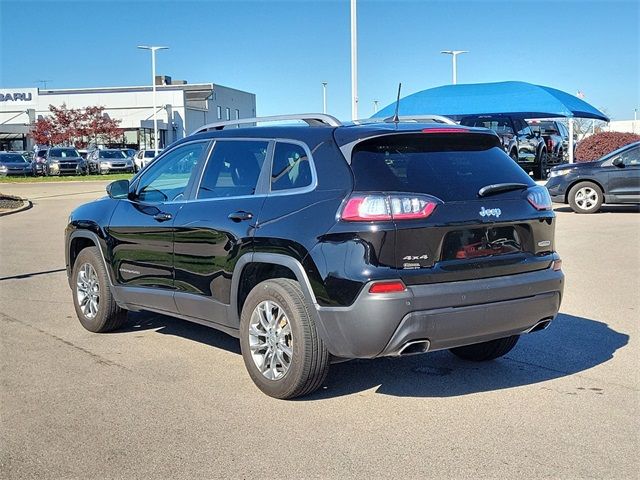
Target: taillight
[(557, 265), (394, 286), (539, 198), (376, 207)]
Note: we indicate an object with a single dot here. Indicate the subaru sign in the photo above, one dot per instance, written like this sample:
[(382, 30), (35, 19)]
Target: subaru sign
[(18, 97)]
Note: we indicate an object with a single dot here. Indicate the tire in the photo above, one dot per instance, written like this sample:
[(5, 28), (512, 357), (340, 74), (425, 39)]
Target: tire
[(514, 155), (307, 355), (542, 164), (585, 197), (107, 316), (481, 352)]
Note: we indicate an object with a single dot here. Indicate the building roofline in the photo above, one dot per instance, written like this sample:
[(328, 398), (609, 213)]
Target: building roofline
[(187, 86), (139, 88)]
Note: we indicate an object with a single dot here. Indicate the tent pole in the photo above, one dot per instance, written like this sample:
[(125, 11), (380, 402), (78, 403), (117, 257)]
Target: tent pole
[(570, 139)]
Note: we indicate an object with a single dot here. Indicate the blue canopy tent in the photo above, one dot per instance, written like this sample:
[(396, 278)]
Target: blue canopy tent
[(531, 101)]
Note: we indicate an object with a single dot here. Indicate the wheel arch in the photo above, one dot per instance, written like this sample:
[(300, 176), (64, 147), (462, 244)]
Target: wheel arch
[(252, 268), (78, 241)]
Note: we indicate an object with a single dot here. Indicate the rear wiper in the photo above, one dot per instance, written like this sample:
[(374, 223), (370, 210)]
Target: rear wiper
[(501, 187)]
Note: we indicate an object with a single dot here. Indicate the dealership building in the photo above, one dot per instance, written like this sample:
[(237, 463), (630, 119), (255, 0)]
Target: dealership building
[(181, 108)]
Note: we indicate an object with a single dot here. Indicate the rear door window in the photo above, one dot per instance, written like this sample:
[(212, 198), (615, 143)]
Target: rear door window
[(233, 168), (450, 167)]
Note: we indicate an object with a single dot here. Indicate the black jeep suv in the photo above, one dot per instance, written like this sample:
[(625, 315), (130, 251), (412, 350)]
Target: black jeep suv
[(319, 243)]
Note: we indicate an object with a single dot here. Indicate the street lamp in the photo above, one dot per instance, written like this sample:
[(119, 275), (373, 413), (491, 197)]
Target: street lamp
[(375, 106), (354, 62), (454, 54), (324, 97), (153, 84)]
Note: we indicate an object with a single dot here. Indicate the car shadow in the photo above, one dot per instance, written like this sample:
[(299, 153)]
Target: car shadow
[(568, 346), (139, 321), (605, 209)]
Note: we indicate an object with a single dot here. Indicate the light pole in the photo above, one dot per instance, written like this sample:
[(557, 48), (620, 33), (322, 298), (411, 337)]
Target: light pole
[(454, 54), (354, 62), (324, 97), (375, 106), (153, 84)]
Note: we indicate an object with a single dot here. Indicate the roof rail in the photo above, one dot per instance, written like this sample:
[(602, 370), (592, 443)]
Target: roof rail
[(312, 119), (410, 118)]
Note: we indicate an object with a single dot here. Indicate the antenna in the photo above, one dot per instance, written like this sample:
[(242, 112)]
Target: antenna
[(396, 119)]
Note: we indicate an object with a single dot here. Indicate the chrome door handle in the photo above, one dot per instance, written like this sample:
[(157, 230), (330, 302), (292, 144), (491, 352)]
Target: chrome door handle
[(240, 216), (162, 217)]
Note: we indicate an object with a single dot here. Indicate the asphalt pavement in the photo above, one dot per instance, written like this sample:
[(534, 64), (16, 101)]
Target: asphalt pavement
[(163, 398)]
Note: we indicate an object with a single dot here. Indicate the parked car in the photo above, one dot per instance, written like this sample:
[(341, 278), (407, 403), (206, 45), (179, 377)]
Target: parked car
[(324, 243), (109, 160), (585, 186), (524, 146), (129, 152), (65, 160), (39, 162), (144, 158), (14, 163), (556, 137)]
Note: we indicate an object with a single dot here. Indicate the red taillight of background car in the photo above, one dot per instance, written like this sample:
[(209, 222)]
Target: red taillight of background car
[(380, 207)]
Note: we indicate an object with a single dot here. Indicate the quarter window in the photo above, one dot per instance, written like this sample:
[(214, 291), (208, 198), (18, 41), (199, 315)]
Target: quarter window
[(233, 169), (291, 167), (167, 178)]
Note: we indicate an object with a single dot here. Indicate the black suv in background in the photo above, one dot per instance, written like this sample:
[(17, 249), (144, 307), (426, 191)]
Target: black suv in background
[(556, 137), (319, 243), (521, 143)]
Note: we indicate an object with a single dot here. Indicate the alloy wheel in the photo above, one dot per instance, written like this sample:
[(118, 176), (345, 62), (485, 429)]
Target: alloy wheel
[(88, 290), (586, 198), (270, 340)]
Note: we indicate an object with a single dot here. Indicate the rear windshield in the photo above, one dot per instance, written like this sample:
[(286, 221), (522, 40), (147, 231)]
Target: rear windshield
[(451, 167)]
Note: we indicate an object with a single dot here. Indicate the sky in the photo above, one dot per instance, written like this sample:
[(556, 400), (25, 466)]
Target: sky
[(283, 50)]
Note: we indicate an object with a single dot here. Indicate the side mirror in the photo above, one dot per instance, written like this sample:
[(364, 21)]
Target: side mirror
[(618, 162), (118, 189)]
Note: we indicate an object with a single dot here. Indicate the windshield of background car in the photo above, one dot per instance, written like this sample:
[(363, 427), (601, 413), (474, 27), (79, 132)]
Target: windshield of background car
[(63, 153), (501, 126), (545, 128), (12, 158), (41, 153), (451, 167), (151, 153), (117, 154)]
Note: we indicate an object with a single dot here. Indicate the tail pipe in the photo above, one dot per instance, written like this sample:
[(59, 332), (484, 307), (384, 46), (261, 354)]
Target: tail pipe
[(414, 347), (541, 325)]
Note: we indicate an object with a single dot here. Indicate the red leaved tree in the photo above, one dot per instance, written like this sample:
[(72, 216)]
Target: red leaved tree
[(598, 145), (75, 127)]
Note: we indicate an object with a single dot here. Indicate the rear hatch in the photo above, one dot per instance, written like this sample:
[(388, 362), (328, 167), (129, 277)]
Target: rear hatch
[(462, 208)]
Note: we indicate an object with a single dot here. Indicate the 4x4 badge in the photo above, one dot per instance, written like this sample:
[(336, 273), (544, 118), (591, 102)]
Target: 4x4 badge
[(490, 212)]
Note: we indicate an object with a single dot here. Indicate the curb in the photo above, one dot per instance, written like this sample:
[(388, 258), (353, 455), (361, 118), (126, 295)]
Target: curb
[(28, 204)]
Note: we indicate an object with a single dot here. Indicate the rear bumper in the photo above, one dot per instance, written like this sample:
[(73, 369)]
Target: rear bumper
[(447, 315)]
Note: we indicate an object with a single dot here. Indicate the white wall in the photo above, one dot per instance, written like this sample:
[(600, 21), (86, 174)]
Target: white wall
[(627, 126)]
